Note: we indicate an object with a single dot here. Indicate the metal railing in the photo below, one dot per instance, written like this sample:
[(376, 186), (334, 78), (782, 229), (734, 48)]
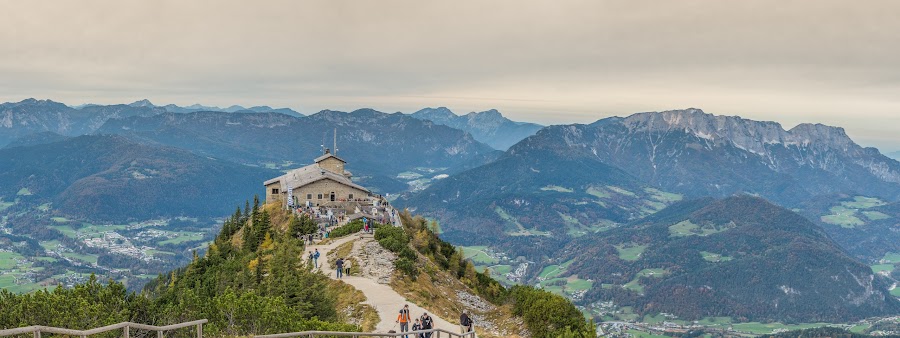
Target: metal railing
[(437, 334), (125, 326)]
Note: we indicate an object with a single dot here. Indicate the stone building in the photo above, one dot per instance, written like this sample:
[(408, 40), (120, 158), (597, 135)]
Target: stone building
[(323, 183)]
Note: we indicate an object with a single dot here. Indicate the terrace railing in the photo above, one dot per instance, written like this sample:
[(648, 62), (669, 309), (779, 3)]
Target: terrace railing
[(125, 326)]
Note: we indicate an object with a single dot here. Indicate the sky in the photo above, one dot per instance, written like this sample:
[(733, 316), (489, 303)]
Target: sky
[(550, 62)]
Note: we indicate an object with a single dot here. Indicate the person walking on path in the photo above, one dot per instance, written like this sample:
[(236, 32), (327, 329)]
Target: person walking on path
[(347, 267), (416, 327), (311, 258), (465, 323), (316, 258), (427, 324), (403, 319), (340, 268)]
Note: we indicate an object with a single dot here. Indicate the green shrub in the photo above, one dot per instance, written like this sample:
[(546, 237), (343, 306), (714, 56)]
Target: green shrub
[(407, 266), (408, 253), (347, 229)]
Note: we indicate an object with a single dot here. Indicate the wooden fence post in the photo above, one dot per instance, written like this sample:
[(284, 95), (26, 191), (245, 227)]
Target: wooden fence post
[(159, 334), (127, 331), (199, 330)]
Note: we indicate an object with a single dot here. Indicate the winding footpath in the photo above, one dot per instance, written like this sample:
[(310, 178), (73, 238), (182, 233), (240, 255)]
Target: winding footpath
[(380, 296)]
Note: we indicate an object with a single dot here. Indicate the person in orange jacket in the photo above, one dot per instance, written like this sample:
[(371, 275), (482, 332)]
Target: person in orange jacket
[(403, 318)]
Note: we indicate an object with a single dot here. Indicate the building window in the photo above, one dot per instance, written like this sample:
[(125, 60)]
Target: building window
[(320, 196), (351, 196), (309, 196), (274, 191)]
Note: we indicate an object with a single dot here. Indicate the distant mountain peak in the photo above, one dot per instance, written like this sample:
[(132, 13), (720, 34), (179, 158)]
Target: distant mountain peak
[(33, 101), (747, 134), (142, 103), (435, 114), (487, 126), (489, 112)]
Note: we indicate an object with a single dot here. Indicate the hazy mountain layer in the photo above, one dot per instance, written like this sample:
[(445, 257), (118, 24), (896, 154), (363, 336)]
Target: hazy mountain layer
[(113, 179), (489, 127), (377, 146)]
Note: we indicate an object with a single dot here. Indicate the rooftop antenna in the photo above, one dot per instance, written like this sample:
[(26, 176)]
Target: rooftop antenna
[(335, 142), (324, 135)]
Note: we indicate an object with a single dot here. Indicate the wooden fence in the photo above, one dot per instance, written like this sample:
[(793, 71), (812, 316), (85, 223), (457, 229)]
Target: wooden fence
[(125, 327)]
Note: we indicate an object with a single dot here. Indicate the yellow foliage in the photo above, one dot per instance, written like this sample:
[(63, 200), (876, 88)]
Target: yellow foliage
[(267, 243), (213, 250), (253, 264)]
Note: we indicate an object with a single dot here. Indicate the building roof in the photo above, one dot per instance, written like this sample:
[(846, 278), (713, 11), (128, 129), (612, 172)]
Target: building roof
[(312, 173), (326, 156)]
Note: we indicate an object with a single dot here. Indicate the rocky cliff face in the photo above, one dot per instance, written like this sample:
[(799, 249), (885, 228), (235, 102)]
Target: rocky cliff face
[(753, 136), (700, 154), (31, 116)]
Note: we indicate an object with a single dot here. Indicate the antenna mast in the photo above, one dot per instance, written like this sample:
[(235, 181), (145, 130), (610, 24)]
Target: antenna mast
[(335, 143)]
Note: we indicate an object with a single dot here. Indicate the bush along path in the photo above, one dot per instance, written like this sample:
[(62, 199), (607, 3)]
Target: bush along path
[(380, 296)]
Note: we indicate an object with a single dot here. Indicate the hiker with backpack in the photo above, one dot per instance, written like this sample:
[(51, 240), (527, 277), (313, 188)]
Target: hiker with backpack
[(427, 324), (347, 267), (465, 323), (403, 319)]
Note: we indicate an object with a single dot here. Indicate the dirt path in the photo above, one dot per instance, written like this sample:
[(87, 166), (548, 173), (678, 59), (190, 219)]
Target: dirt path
[(380, 296)]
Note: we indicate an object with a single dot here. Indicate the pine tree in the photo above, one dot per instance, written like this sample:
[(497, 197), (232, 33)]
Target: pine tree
[(246, 211)]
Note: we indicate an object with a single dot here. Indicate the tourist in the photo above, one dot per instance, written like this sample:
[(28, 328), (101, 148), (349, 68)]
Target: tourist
[(465, 323), (340, 267), (311, 257), (416, 327), (403, 319), (347, 267), (316, 259), (427, 324)]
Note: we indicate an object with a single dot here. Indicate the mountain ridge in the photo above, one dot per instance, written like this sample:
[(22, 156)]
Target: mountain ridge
[(489, 127), (85, 177), (377, 145)]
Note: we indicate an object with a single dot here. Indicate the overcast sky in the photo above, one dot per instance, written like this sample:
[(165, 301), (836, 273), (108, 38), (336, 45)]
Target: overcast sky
[(833, 62)]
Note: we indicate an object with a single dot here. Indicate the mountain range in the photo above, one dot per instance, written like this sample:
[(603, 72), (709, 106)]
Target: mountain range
[(489, 127), (637, 211), (559, 203), (377, 146), (29, 116), (673, 154), (110, 178)]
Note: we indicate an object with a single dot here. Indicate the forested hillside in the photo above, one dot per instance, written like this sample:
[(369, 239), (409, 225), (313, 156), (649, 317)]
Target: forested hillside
[(739, 257), (113, 179), (425, 259), (252, 280)]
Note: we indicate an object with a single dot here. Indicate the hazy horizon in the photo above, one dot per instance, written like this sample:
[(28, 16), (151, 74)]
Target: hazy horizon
[(830, 62)]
